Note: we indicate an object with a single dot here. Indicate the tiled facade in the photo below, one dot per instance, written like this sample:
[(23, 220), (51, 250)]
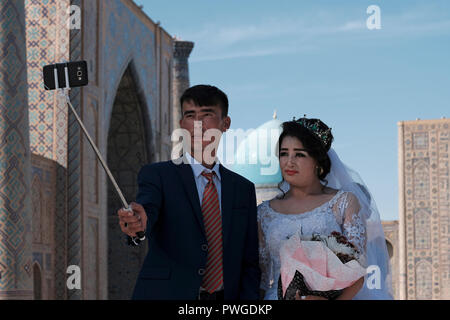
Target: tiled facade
[(43, 189), (390, 229), (130, 107), (424, 226), (16, 271), (47, 41)]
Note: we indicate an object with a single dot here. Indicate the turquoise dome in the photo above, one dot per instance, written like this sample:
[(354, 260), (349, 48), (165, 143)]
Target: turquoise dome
[(256, 157)]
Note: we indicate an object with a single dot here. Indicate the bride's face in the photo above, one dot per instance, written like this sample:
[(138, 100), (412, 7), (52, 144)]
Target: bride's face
[(297, 166)]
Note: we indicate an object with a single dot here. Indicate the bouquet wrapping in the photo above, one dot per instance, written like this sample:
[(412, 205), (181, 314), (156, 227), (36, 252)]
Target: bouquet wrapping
[(318, 265)]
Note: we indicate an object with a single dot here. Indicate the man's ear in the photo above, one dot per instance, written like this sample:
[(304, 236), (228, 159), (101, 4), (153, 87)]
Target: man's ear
[(226, 123)]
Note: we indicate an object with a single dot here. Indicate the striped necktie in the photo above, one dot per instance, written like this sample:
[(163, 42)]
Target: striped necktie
[(212, 220)]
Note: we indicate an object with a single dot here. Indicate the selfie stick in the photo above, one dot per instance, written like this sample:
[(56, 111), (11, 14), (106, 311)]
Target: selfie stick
[(64, 92)]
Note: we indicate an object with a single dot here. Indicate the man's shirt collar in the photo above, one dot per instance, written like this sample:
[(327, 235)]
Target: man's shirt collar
[(198, 168)]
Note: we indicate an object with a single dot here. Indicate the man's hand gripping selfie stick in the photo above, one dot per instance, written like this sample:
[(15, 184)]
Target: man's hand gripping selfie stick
[(64, 92)]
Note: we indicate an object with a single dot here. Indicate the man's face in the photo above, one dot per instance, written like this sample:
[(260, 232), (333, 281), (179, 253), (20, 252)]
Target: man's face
[(209, 117)]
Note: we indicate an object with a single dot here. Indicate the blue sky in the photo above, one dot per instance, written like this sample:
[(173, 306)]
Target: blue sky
[(319, 58)]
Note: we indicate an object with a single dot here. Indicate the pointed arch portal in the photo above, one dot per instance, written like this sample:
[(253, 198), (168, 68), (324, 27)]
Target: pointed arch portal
[(127, 153)]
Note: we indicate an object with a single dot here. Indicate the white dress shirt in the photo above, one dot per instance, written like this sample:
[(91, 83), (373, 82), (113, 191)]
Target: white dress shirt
[(201, 181)]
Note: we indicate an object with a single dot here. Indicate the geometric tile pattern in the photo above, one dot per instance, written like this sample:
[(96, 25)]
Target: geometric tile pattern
[(425, 220), (48, 262), (37, 258), (41, 45), (60, 264), (390, 229), (422, 230), (61, 110), (424, 290), (124, 36), (37, 208), (126, 155), (60, 156), (92, 286), (15, 203), (47, 35), (420, 140), (43, 202), (48, 42), (124, 27), (421, 178), (74, 218)]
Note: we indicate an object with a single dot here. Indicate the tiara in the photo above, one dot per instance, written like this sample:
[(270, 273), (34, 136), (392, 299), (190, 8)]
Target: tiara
[(314, 126)]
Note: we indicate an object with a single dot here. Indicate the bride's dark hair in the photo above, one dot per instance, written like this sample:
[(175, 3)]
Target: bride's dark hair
[(316, 137)]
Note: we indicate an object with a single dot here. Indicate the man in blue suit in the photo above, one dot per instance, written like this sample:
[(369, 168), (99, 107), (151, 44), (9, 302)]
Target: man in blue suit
[(199, 217)]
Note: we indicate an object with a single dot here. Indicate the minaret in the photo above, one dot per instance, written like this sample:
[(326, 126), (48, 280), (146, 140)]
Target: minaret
[(181, 52), (16, 268)]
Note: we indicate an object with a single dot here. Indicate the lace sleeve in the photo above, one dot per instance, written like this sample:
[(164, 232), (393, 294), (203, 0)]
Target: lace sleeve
[(264, 256), (353, 226)]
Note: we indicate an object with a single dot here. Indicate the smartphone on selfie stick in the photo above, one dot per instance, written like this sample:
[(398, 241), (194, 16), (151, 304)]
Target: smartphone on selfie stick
[(62, 77)]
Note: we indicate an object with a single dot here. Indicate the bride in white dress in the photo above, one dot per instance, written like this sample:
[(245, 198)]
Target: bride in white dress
[(320, 195)]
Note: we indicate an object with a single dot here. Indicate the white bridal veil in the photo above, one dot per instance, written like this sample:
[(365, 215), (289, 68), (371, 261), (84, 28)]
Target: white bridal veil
[(378, 281)]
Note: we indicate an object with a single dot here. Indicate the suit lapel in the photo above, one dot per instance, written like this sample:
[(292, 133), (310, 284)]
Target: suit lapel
[(227, 203), (187, 177)]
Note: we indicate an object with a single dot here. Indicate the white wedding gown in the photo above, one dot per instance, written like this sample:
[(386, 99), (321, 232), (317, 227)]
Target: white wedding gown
[(341, 213)]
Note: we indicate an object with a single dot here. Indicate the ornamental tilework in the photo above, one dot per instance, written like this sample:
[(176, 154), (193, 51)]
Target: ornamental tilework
[(74, 223), (15, 202), (43, 203), (423, 281), (126, 155), (121, 37), (122, 28), (47, 42), (420, 140), (422, 228), (37, 257), (424, 165), (391, 233), (421, 178)]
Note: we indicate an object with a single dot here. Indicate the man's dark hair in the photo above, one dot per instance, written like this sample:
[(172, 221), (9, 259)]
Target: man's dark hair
[(206, 95)]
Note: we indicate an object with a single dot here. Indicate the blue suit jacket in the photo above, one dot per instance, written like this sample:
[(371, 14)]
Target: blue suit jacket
[(173, 268)]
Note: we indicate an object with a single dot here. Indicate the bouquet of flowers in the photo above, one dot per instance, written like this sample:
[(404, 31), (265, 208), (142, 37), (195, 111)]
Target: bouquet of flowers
[(318, 265)]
